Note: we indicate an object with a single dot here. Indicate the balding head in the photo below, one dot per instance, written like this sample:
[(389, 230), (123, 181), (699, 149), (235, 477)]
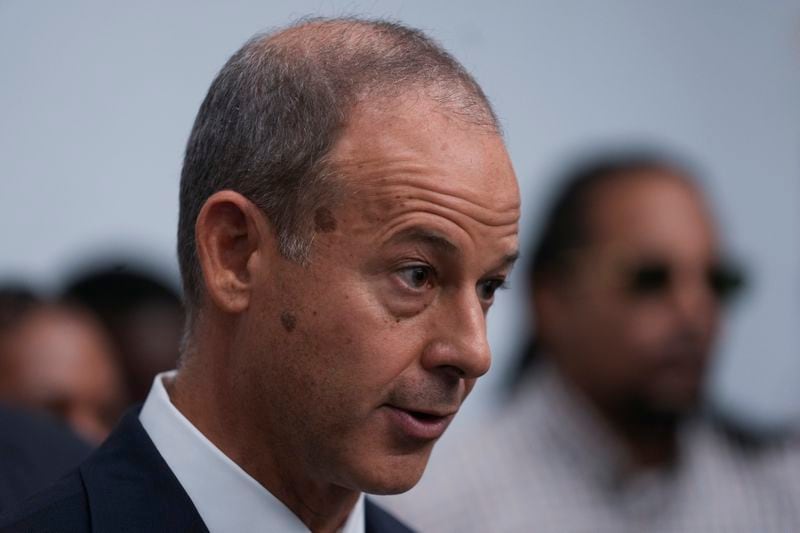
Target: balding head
[(373, 141), (278, 106)]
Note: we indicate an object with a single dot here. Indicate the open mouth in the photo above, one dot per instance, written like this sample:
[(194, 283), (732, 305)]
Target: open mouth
[(418, 424), (424, 417)]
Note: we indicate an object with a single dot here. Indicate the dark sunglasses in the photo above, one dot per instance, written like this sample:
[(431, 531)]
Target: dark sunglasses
[(654, 278)]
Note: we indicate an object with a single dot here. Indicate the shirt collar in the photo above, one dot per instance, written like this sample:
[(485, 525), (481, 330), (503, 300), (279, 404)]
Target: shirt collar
[(579, 435), (226, 497), (575, 431)]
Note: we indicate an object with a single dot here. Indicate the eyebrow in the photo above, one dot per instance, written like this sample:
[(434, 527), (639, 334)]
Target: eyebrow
[(433, 238), (510, 259), (443, 244)]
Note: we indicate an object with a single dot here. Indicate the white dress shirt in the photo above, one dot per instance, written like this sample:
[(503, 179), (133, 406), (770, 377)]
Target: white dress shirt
[(227, 498)]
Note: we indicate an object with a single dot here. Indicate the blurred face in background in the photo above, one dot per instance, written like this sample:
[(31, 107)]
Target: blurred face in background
[(148, 338), (633, 321), (58, 359)]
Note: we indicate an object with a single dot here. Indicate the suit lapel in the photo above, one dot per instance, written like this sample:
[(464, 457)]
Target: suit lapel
[(379, 521), (130, 488)]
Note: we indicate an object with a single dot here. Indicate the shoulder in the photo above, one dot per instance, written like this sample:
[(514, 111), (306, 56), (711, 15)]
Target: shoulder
[(39, 442), (40, 436), (29, 422), (62, 507), (748, 439), (35, 451), (124, 486), (380, 521)]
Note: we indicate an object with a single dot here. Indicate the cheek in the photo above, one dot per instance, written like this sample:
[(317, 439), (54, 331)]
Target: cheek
[(338, 342), (651, 324), (616, 337), (353, 352), (619, 322), (708, 320), (713, 328), (373, 352)]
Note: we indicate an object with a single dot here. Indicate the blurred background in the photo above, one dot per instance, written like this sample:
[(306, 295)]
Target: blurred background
[(97, 99)]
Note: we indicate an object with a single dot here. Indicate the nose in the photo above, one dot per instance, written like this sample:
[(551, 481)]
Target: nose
[(460, 348), (693, 302)]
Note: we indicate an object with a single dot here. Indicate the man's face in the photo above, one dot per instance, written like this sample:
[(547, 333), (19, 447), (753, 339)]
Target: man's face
[(59, 360), (639, 313), (364, 356)]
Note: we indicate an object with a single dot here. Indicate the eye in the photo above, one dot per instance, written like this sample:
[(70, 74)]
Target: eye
[(649, 279), (486, 289), (726, 281), (417, 276)]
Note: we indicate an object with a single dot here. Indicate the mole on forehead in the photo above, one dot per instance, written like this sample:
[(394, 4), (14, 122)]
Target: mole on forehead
[(324, 221)]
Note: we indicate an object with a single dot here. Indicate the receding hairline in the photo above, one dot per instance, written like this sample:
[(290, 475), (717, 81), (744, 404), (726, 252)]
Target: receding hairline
[(309, 37), (330, 43), (314, 67)]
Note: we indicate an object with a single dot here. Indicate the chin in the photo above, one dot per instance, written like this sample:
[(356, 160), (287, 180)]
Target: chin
[(670, 410), (392, 475), (679, 401)]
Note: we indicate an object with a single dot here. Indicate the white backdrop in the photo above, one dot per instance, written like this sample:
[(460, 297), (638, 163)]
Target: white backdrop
[(97, 99)]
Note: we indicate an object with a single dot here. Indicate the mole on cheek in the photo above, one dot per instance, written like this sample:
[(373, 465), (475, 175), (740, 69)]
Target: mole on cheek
[(324, 221), (289, 321)]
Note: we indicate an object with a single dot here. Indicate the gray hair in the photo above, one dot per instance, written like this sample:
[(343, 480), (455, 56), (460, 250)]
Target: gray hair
[(277, 107)]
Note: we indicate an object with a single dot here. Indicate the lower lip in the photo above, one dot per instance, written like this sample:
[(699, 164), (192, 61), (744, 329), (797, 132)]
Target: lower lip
[(415, 427)]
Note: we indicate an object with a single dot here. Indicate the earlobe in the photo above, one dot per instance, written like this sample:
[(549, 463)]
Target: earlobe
[(229, 231)]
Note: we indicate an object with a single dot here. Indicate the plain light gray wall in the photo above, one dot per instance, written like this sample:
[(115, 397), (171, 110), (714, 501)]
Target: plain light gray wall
[(97, 99)]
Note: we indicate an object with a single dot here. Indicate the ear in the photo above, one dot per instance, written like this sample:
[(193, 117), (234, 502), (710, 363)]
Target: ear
[(230, 233)]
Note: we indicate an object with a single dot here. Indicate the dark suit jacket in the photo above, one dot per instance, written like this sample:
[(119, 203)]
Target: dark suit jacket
[(125, 486), (35, 451)]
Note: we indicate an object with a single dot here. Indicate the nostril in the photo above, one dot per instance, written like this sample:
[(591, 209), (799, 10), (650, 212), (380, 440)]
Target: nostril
[(454, 371), (455, 361)]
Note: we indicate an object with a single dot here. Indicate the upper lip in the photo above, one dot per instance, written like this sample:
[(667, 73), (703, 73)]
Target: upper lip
[(441, 413)]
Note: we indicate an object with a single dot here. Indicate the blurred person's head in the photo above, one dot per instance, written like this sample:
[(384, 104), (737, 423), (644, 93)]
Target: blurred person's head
[(142, 314), (16, 299), (57, 358), (628, 283)]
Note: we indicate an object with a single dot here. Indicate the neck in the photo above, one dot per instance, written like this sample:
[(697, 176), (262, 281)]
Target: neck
[(204, 391), (651, 445), (651, 439)]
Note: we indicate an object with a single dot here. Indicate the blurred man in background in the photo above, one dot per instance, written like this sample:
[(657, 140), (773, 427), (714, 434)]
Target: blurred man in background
[(142, 314), (57, 358), (605, 432), (35, 449)]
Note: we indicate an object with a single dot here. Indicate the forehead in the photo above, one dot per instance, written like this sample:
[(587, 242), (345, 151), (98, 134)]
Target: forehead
[(653, 210), (393, 146)]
